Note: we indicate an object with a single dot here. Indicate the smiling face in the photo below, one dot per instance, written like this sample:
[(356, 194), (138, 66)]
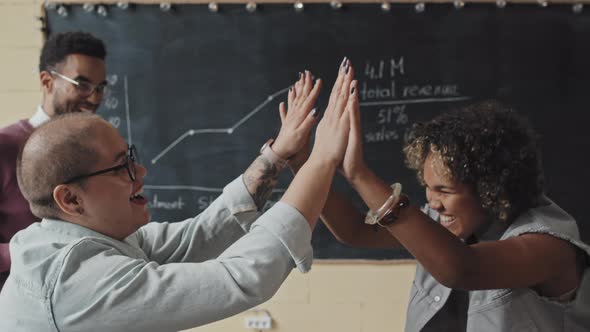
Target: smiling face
[(112, 203), (65, 96), (458, 204)]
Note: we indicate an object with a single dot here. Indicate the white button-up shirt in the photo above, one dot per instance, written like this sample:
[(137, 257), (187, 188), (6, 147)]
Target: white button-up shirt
[(164, 277)]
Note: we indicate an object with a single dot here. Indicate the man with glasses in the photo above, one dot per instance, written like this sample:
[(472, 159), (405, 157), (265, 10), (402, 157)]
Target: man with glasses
[(94, 263), (72, 76)]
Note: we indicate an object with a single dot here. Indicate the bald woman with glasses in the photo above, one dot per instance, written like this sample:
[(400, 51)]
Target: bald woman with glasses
[(95, 263)]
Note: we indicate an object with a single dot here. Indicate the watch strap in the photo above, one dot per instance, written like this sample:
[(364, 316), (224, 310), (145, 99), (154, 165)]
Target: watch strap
[(267, 152)]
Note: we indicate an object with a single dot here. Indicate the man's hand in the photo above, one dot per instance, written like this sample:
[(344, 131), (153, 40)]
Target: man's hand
[(297, 121)]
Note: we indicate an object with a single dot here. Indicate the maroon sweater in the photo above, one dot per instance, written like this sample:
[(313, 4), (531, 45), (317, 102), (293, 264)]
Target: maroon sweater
[(14, 209)]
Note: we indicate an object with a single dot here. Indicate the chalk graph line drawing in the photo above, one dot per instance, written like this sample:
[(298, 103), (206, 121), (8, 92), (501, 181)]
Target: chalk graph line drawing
[(127, 115), (231, 130), (228, 131), (413, 101)]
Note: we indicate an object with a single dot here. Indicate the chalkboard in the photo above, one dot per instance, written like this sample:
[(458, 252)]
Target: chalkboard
[(198, 91)]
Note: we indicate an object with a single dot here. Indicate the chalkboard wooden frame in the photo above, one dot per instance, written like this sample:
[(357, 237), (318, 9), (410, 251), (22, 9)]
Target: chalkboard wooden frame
[(184, 2)]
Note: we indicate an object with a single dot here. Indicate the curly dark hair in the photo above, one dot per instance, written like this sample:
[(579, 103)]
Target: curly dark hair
[(487, 146), (60, 45)]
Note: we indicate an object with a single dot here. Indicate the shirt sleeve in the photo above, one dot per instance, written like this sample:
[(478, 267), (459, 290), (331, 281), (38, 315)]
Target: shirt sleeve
[(4, 169), (4, 257), (202, 237), (97, 286)]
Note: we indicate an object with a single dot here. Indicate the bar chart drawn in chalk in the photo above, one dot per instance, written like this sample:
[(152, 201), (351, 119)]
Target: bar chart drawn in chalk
[(111, 102)]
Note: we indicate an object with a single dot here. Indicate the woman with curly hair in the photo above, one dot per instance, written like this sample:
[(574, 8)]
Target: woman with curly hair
[(493, 252)]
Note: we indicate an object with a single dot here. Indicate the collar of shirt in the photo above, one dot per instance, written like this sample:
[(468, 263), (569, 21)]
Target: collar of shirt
[(71, 229), (39, 118)]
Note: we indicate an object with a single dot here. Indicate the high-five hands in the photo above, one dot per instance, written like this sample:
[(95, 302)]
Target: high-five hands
[(353, 164), (296, 123), (332, 134), (309, 189)]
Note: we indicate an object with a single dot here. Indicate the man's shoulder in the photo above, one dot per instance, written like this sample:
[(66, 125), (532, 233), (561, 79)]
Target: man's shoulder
[(33, 238), (19, 128), (13, 136), (43, 248), (35, 255), (60, 234)]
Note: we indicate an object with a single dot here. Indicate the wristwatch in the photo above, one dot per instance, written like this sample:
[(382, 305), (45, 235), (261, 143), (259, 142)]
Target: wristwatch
[(271, 156), (392, 214)]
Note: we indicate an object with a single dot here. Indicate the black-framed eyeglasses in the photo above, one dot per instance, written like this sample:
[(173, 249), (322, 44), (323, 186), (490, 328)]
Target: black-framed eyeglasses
[(83, 87), (129, 164)]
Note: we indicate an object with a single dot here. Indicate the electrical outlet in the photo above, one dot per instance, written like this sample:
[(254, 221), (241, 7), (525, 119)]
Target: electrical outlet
[(258, 322)]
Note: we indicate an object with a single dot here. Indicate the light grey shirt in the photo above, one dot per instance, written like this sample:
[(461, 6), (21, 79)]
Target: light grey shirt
[(164, 277), (434, 307)]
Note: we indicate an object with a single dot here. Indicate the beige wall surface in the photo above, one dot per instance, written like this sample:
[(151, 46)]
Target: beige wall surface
[(20, 42), (342, 297), (336, 297)]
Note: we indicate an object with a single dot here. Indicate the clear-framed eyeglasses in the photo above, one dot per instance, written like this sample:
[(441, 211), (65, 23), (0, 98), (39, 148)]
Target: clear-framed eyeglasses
[(83, 87)]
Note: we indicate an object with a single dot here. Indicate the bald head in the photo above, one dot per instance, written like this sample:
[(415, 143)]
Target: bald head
[(58, 150)]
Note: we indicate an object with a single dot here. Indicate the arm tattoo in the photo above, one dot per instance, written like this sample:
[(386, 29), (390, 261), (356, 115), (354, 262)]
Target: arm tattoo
[(260, 178)]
